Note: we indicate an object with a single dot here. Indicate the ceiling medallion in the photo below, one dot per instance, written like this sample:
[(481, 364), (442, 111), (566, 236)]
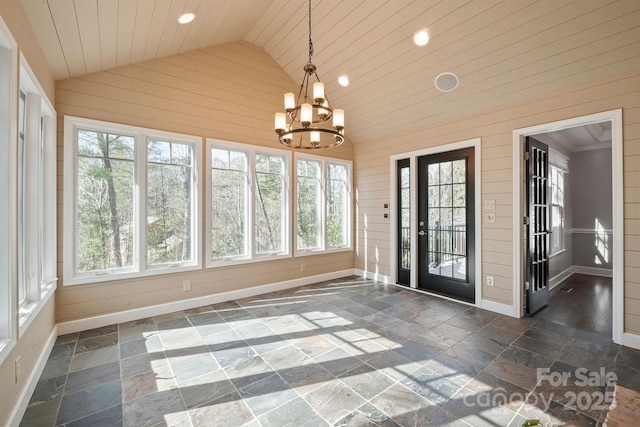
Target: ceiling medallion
[(305, 124)]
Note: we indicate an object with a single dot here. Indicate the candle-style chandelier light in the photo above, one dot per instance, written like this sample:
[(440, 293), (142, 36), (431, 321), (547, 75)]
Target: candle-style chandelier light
[(309, 121)]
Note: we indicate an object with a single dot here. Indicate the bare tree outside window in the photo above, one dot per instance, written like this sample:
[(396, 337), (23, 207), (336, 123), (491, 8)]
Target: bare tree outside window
[(105, 201), (169, 198)]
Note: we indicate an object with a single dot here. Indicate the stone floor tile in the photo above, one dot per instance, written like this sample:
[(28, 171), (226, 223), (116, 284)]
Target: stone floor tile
[(229, 410), (366, 415), (95, 343), (88, 378), (88, 402), (105, 330), (367, 381), (206, 388), (94, 358), (404, 406), (431, 385), (296, 412), (334, 400), (158, 379), (267, 394), (111, 417), (43, 414), (152, 408)]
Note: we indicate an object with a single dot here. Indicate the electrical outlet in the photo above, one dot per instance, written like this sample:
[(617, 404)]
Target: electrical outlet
[(303, 266), (18, 368), (490, 218), (490, 281), (186, 285), (490, 204)]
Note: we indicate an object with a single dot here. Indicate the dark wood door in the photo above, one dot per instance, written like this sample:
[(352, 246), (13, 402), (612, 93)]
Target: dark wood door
[(446, 226), (536, 283)]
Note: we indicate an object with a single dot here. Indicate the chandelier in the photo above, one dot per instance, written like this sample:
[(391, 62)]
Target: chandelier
[(309, 121)]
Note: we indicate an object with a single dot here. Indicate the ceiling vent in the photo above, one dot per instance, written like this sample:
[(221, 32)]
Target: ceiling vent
[(446, 82)]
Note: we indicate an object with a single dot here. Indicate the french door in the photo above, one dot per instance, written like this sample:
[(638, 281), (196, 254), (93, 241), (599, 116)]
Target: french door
[(446, 228), (537, 227)]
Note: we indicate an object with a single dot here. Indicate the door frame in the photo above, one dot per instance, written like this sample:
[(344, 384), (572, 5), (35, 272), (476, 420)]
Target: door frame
[(474, 143), (615, 117)]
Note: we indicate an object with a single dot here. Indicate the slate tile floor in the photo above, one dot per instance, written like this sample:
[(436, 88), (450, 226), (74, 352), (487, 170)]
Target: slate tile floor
[(348, 352)]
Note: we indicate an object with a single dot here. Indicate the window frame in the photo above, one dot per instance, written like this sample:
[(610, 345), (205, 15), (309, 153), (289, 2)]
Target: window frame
[(37, 265), (560, 163), (324, 187), (251, 256), (9, 88), (140, 267)]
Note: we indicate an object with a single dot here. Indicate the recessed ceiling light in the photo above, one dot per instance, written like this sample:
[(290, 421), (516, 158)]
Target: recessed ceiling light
[(421, 38), (185, 18), (344, 81)]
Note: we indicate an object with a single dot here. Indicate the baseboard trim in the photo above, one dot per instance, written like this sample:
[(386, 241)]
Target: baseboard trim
[(593, 271), (79, 325), (34, 377), (560, 277), (498, 307), (373, 276), (631, 340)]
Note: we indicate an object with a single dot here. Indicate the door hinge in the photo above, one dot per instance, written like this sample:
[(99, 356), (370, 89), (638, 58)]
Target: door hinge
[(526, 155), (525, 220), (526, 285)]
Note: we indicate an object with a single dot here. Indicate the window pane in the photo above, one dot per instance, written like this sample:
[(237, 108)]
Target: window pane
[(169, 207), (22, 201), (270, 205), (556, 176), (309, 208), (337, 206), (105, 203), (228, 203)]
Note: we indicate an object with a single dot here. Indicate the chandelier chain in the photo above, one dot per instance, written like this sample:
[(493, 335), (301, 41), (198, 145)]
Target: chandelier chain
[(310, 41)]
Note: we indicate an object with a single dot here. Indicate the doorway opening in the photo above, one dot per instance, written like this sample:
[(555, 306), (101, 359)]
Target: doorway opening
[(434, 212), (582, 239)]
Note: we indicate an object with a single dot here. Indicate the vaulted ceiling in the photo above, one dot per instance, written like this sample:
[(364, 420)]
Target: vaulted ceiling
[(502, 51)]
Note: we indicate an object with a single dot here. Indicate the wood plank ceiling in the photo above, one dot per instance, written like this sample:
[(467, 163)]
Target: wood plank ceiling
[(502, 50)]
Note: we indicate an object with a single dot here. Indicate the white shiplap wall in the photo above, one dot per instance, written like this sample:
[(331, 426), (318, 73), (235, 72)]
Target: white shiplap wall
[(216, 93), (495, 127)]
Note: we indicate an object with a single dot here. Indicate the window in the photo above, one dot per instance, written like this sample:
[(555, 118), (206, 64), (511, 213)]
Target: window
[(338, 205), (132, 207), (36, 197), (556, 182), (8, 157), (105, 186), (323, 204), (22, 164), (309, 204), (169, 207), (247, 203), (229, 193), (271, 203)]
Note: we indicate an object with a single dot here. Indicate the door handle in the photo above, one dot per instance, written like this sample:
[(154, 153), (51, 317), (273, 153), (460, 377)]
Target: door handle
[(421, 233)]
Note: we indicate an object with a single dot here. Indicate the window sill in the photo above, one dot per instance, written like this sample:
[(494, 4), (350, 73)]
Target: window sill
[(243, 261), (311, 252), (30, 311), (558, 253), (151, 271), (6, 345)]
